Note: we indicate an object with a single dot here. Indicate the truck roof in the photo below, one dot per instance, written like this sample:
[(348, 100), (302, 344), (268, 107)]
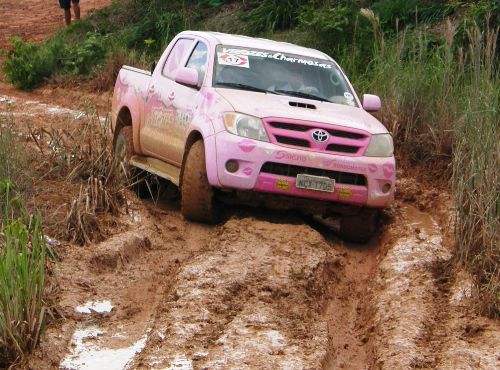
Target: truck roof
[(257, 43)]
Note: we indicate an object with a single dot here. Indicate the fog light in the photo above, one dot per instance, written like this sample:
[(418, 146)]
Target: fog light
[(386, 187), (232, 166)]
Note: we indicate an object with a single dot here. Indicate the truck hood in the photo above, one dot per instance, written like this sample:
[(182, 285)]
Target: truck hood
[(271, 105)]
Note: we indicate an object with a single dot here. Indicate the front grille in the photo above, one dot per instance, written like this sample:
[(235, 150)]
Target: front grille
[(282, 169), (298, 134), (342, 148), (290, 126), (292, 141), (346, 134), (303, 128)]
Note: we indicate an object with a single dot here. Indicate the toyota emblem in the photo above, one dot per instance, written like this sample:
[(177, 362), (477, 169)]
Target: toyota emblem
[(320, 136)]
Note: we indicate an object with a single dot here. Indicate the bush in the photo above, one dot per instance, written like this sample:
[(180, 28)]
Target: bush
[(27, 64)]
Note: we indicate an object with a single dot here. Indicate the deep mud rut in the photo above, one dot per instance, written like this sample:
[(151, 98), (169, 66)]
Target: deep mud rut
[(262, 289)]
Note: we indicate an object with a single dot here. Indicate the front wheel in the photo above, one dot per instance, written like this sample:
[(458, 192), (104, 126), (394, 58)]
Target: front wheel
[(359, 228), (197, 197)]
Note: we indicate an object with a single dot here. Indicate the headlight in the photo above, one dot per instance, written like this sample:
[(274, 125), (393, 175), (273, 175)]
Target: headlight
[(246, 126), (380, 146)]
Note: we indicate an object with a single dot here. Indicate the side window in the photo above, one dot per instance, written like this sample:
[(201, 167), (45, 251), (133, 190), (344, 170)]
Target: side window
[(198, 61), (176, 57)]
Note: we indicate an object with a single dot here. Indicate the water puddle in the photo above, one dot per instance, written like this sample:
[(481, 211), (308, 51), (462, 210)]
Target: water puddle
[(97, 307), (89, 354)]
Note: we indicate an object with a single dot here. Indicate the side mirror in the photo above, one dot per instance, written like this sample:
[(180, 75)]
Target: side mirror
[(371, 103), (187, 76), (153, 66)]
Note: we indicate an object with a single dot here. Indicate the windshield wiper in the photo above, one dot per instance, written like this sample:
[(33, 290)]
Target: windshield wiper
[(245, 87), (302, 95)]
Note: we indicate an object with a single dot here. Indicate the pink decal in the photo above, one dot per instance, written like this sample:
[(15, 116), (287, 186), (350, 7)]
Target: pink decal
[(281, 154), (247, 171), (388, 169), (372, 167), (246, 145)]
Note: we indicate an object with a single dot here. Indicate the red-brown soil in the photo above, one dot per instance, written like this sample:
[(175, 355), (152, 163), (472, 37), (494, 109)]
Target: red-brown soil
[(36, 20)]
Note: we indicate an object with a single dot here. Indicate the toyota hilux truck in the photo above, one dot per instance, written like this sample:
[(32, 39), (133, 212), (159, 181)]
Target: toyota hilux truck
[(229, 118)]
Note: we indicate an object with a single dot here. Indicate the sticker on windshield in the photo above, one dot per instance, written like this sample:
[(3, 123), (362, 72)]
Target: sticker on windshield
[(348, 96), (274, 55), (234, 60)]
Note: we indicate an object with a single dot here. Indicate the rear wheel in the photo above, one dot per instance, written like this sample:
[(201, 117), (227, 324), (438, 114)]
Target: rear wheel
[(197, 197), (359, 228), (123, 151)]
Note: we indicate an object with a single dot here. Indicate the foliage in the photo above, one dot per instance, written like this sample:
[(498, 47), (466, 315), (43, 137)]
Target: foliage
[(87, 54), (22, 259), (476, 162), (22, 275), (27, 64), (272, 15)]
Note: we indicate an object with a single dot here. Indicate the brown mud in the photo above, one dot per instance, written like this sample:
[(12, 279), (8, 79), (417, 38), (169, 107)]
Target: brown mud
[(262, 289)]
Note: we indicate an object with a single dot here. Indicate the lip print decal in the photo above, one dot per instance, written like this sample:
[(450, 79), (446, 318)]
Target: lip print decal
[(247, 171), (246, 146), (372, 168), (388, 169)]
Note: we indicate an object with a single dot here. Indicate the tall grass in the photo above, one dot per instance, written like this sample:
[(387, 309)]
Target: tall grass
[(22, 282), (417, 77), (441, 102), (476, 162), (22, 259)]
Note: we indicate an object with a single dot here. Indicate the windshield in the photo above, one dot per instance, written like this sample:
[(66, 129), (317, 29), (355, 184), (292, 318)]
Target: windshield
[(280, 73)]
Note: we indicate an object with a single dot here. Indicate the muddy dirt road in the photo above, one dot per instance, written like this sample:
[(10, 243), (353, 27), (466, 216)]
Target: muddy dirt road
[(36, 20), (260, 290)]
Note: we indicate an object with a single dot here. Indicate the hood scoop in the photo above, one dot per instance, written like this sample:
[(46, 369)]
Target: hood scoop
[(301, 105)]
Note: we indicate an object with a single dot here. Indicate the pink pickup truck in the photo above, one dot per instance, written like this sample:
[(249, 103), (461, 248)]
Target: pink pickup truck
[(231, 118)]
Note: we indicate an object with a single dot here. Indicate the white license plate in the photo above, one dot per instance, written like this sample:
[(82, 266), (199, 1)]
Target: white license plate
[(319, 183)]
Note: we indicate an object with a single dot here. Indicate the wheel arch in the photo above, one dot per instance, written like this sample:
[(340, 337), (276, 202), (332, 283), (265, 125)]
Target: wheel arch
[(193, 137), (124, 118)]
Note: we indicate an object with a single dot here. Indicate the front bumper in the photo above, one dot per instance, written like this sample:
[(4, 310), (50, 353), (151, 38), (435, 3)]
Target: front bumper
[(251, 156)]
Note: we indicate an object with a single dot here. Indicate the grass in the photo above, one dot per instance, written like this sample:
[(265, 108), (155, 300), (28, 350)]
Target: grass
[(476, 160), (82, 158), (22, 260), (441, 102)]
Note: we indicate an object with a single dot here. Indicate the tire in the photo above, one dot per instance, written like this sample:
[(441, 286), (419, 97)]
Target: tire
[(123, 151), (197, 196), (359, 228)]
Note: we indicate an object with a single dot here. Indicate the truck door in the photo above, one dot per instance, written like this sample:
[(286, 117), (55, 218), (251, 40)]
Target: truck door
[(167, 107)]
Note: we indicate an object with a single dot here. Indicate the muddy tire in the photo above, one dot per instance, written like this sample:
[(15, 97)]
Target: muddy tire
[(123, 151), (197, 197), (359, 228)]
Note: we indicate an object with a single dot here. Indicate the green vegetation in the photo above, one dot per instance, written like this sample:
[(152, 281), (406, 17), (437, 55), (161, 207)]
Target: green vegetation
[(22, 260), (476, 161), (434, 64)]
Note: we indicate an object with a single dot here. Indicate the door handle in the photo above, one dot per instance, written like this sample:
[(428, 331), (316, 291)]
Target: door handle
[(171, 96)]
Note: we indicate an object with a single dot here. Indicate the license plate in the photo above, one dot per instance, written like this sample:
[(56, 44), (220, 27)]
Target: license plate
[(318, 183)]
